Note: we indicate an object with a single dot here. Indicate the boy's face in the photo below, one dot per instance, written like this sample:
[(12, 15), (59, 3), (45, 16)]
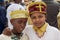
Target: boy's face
[(38, 19), (18, 24), (19, 1), (26, 2)]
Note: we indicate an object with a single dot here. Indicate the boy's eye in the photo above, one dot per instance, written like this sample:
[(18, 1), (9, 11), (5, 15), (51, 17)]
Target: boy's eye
[(40, 16), (33, 17)]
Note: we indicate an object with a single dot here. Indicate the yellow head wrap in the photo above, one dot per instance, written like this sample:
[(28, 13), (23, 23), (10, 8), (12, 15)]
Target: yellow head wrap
[(19, 14)]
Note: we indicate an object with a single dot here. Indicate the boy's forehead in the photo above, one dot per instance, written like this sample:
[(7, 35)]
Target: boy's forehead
[(38, 13), (20, 19), (27, 0)]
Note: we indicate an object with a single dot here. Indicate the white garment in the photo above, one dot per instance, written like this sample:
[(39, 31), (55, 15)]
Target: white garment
[(38, 0), (58, 18), (58, 14), (50, 34), (4, 37), (13, 7)]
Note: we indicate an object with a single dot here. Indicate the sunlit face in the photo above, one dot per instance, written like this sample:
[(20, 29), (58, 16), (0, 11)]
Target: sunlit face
[(38, 19), (26, 2), (19, 24), (18, 1)]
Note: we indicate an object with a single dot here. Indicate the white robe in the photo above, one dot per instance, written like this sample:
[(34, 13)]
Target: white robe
[(50, 34), (5, 37)]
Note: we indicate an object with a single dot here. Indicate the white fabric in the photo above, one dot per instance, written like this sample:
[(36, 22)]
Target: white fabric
[(38, 0), (58, 14), (4, 37), (11, 8), (50, 34), (11, 2)]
